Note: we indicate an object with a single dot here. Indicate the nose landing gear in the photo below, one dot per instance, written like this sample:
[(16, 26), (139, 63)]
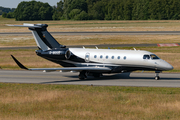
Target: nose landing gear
[(157, 75)]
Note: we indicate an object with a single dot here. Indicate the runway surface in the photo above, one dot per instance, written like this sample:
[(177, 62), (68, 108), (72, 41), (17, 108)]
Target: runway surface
[(134, 79), (103, 33)]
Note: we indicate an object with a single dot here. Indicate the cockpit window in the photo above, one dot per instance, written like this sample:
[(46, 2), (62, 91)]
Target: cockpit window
[(154, 57), (146, 57)]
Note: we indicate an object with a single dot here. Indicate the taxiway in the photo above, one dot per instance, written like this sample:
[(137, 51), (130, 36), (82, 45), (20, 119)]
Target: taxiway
[(133, 79)]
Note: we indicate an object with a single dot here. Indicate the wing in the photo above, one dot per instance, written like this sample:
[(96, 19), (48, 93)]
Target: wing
[(78, 69)]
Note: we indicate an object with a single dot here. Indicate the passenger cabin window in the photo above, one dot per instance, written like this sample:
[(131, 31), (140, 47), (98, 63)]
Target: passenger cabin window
[(146, 57), (154, 57), (124, 57), (118, 57), (112, 57), (95, 56), (106, 57), (101, 56)]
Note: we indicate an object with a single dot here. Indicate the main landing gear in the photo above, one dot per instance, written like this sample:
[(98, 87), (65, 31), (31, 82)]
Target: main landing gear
[(97, 75), (157, 75), (82, 75)]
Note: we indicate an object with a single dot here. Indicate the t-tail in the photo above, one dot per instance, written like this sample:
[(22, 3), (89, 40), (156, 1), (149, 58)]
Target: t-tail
[(44, 40)]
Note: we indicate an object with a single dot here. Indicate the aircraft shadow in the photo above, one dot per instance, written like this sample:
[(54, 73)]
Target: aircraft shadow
[(111, 77)]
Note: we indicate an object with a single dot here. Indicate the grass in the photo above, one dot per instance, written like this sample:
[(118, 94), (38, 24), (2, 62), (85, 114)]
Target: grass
[(117, 39), (27, 57), (75, 102), (55, 26), (92, 39)]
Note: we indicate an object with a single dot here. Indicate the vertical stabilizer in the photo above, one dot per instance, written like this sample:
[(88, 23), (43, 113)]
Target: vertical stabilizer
[(43, 38)]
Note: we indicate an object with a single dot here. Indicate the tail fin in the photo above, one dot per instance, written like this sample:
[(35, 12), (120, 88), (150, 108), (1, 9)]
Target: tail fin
[(43, 38)]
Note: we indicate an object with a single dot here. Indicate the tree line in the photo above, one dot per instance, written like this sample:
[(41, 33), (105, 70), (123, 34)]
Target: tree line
[(7, 11), (99, 10)]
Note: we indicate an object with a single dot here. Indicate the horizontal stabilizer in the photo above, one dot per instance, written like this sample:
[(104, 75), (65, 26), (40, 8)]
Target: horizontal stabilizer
[(78, 69), (28, 25)]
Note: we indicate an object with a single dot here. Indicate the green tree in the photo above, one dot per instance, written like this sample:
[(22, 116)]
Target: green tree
[(1, 12), (140, 10), (58, 11), (69, 5), (4, 15), (114, 10), (6, 10), (97, 11), (10, 15), (45, 12), (175, 10), (74, 13), (154, 11), (33, 11), (82, 16), (128, 10)]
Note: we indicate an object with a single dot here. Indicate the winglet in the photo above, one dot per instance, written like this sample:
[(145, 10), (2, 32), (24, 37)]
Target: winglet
[(18, 63)]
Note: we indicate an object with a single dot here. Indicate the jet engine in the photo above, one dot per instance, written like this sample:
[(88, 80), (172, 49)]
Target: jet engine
[(68, 54)]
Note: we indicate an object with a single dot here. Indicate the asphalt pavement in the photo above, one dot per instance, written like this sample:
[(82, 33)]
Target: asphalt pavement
[(125, 79)]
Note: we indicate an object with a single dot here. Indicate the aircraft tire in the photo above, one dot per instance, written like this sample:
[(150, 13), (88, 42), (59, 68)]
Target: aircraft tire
[(157, 78), (82, 75)]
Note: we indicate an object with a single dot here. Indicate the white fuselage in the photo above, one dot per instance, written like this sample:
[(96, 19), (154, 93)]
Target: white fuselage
[(128, 58)]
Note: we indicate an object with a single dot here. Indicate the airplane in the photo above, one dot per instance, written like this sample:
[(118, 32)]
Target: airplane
[(91, 62)]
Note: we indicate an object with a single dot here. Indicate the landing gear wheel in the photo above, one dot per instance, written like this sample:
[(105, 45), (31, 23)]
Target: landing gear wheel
[(82, 75), (157, 75), (157, 78)]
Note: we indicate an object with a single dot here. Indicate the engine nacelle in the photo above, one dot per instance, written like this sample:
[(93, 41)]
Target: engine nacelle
[(68, 54)]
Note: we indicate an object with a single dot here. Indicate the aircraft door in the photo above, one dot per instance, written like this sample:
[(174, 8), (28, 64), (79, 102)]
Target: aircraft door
[(87, 56)]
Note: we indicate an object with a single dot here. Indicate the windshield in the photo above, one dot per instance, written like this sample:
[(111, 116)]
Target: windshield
[(154, 57), (146, 57)]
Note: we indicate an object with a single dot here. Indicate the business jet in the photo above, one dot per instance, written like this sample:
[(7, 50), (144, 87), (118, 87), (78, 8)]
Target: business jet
[(91, 62)]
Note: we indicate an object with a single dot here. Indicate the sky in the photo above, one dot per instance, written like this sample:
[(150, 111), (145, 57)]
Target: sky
[(14, 3)]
